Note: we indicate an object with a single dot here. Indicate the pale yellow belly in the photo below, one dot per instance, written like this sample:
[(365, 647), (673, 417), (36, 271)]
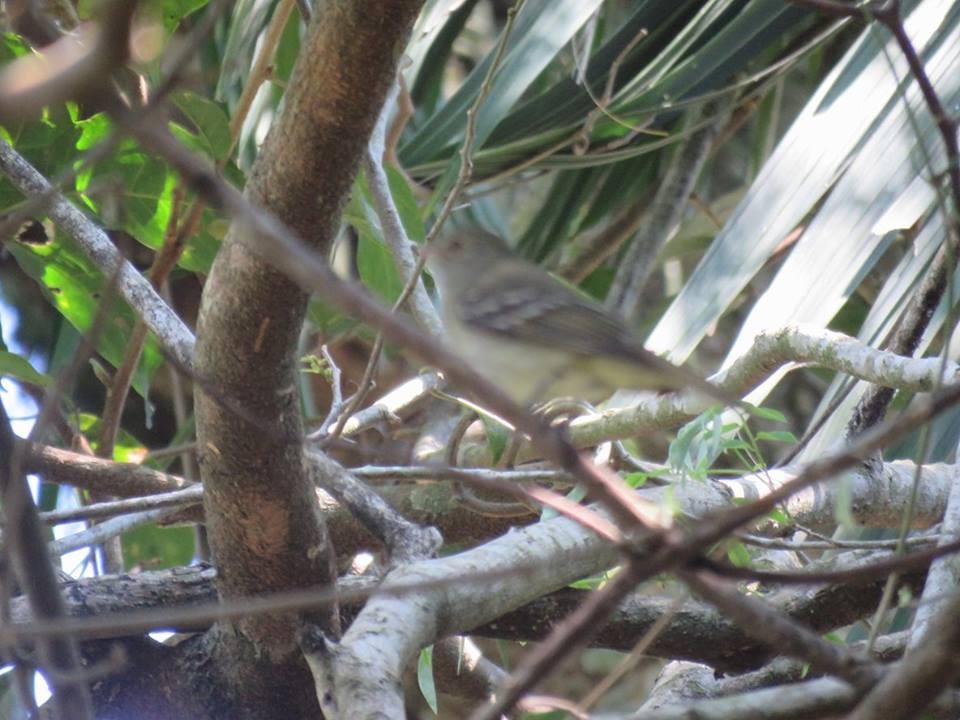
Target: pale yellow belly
[(533, 375)]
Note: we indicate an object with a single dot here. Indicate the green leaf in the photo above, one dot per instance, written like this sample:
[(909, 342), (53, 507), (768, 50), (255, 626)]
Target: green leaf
[(593, 582), (328, 320), (867, 156), (376, 268), (904, 596), (738, 554), (698, 444), (50, 494), (75, 287), (542, 29), (203, 246), (175, 11), (425, 678), (558, 216), (636, 479), (768, 413), (12, 46), (18, 367), (211, 128), (567, 103), (153, 547), (288, 48), (497, 435), (374, 261), (133, 191), (126, 447), (406, 204), (779, 517), (48, 144), (431, 44), (784, 436), (93, 130)]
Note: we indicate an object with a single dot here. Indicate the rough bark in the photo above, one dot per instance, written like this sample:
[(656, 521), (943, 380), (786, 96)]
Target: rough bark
[(265, 531)]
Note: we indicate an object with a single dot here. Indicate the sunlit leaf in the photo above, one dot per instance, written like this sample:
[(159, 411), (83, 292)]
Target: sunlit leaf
[(211, 128), (425, 678), (76, 288), (19, 367)]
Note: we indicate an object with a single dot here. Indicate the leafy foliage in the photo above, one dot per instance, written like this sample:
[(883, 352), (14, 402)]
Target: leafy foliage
[(583, 119)]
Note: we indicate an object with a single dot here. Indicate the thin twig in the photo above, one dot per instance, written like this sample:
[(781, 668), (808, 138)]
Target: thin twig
[(261, 69), (570, 635), (470, 131), (628, 663), (602, 103), (394, 234), (178, 498), (831, 544), (187, 448), (107, 529), (463, 177), (405, 540), (336, 393), (880, 569)]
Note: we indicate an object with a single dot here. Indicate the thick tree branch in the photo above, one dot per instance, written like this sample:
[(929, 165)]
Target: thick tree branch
[(92, 473), (264, 526), (696, 632), (370, 660)]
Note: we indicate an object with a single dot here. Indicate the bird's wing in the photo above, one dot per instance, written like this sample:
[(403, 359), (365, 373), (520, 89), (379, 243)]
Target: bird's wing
[(540, 310)]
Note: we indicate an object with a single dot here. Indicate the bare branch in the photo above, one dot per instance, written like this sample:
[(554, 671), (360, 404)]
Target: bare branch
[(405, 540), (26, 545), (401, 247), (106, 530), (179, 498), (93, 473)]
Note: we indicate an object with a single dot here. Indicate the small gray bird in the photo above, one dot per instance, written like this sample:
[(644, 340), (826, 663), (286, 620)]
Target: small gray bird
[(536, 337)]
